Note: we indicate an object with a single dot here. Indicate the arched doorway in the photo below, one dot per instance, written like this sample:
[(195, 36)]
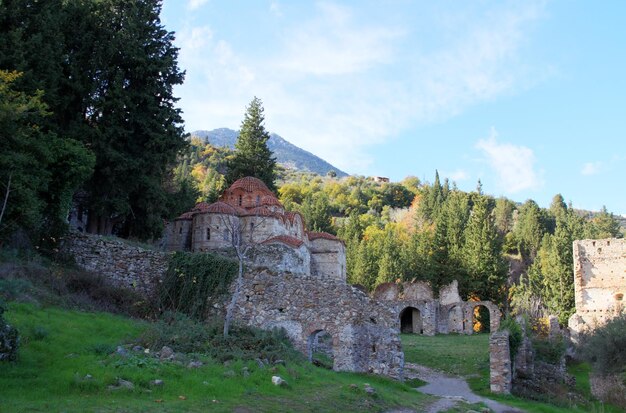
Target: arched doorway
[(320, 349), (481, 319), (455, 319), (411, 321)]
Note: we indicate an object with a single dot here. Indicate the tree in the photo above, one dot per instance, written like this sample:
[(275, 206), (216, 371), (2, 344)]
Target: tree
[(252, 156), (107, 69), (604, 225), (486, 269), (529, 229), (38, 169), (241, 239)]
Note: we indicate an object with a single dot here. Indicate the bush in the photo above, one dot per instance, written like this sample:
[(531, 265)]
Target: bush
[(515, 334), (187, 335), (605, 347), (549, 350), (9, 338), (192, 279)]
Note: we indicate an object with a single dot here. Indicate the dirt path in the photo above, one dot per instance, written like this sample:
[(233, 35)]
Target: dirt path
[(451, 389)]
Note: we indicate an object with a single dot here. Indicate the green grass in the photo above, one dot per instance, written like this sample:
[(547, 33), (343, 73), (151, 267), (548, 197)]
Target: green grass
[(468, 356), (60, 347), (455, 354)]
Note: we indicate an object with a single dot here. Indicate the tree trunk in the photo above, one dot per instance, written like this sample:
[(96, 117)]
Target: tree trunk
[(6, 197)]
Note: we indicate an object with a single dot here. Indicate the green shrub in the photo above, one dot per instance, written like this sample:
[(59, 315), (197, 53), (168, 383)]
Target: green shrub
[(605, 347), (187, 335), (12, 288), (549, 350), (179, 331), (515, 334), (192, 279)]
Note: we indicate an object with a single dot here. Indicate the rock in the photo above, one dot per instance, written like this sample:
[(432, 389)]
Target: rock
[(125, 384), (245, 372), (166, 353), (278, 381), (281, 362), (229, 373), (369, 389), (88, 377), (121, 351), (138, 349), (122, 384), (156, 382), (194, 364), (260, 363)]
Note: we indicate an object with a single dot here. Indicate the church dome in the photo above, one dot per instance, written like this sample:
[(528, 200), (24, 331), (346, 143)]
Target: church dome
[(250, 184)]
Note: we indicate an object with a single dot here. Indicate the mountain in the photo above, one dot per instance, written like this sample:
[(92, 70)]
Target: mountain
[(286, 153)]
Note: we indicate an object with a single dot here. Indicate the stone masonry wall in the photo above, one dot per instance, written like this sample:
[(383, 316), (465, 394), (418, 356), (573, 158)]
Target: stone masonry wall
[(599, 282), (500, 363), (123, 265), (364, 333)]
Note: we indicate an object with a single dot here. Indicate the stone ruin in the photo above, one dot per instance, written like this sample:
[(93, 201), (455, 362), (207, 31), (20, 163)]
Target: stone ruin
[(361, 334), (419, 312), (599, 283)]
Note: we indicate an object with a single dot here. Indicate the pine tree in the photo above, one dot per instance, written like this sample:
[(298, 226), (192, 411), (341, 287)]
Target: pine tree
[(604, 225), (252, 156), (484, 264)]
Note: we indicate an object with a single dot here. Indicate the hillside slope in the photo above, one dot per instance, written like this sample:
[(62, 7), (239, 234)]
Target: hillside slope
[(287, 154)]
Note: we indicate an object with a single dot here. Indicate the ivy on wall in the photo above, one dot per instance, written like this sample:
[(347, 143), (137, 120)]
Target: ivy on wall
[(192, 279)]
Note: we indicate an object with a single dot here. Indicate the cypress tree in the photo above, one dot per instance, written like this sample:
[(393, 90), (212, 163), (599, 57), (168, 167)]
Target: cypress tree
[(252, 156)]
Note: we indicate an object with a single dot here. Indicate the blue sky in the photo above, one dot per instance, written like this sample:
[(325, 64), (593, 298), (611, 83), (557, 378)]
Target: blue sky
[(527, 96)]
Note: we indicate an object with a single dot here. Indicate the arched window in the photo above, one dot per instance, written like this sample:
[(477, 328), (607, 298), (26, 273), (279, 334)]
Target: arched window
[(208, 234), (240, 200)]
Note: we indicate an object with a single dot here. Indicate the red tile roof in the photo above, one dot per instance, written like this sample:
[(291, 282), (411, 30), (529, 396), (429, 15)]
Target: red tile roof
[(187, 216), (250, 184), (325, 235), (285, 239), (220, 207)]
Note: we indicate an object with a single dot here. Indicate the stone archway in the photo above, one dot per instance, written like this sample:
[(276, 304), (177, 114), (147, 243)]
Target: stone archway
[(411, 321), (456, 322), (320, 349)]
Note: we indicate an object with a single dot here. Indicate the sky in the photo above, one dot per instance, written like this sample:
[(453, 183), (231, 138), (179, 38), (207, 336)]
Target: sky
[(529, 97)]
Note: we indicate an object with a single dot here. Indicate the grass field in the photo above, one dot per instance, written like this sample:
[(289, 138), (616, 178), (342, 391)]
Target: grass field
[(60, 348), (468, 356)]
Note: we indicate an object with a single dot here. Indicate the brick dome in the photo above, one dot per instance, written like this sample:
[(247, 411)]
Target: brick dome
[(220, 208), (270, 201), (250, 184)]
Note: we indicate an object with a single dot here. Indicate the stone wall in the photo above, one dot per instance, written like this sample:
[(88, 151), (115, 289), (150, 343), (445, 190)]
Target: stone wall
[(364, 333), (500, 363), (122, 264), (448, 314), (328, 258), (599, 282)]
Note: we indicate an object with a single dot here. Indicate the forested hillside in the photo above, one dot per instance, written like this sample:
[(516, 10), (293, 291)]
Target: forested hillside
[(497, 249)]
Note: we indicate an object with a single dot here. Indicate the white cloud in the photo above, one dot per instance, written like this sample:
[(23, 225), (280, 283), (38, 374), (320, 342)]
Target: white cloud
[(196, 4), (591, 168), (336, 84), (513, 165), (333, 44), (456, 176)]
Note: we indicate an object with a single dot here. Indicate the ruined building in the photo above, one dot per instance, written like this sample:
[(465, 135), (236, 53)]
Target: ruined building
[(419, 312), (295, 279), (250, 205), (599, 282)]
